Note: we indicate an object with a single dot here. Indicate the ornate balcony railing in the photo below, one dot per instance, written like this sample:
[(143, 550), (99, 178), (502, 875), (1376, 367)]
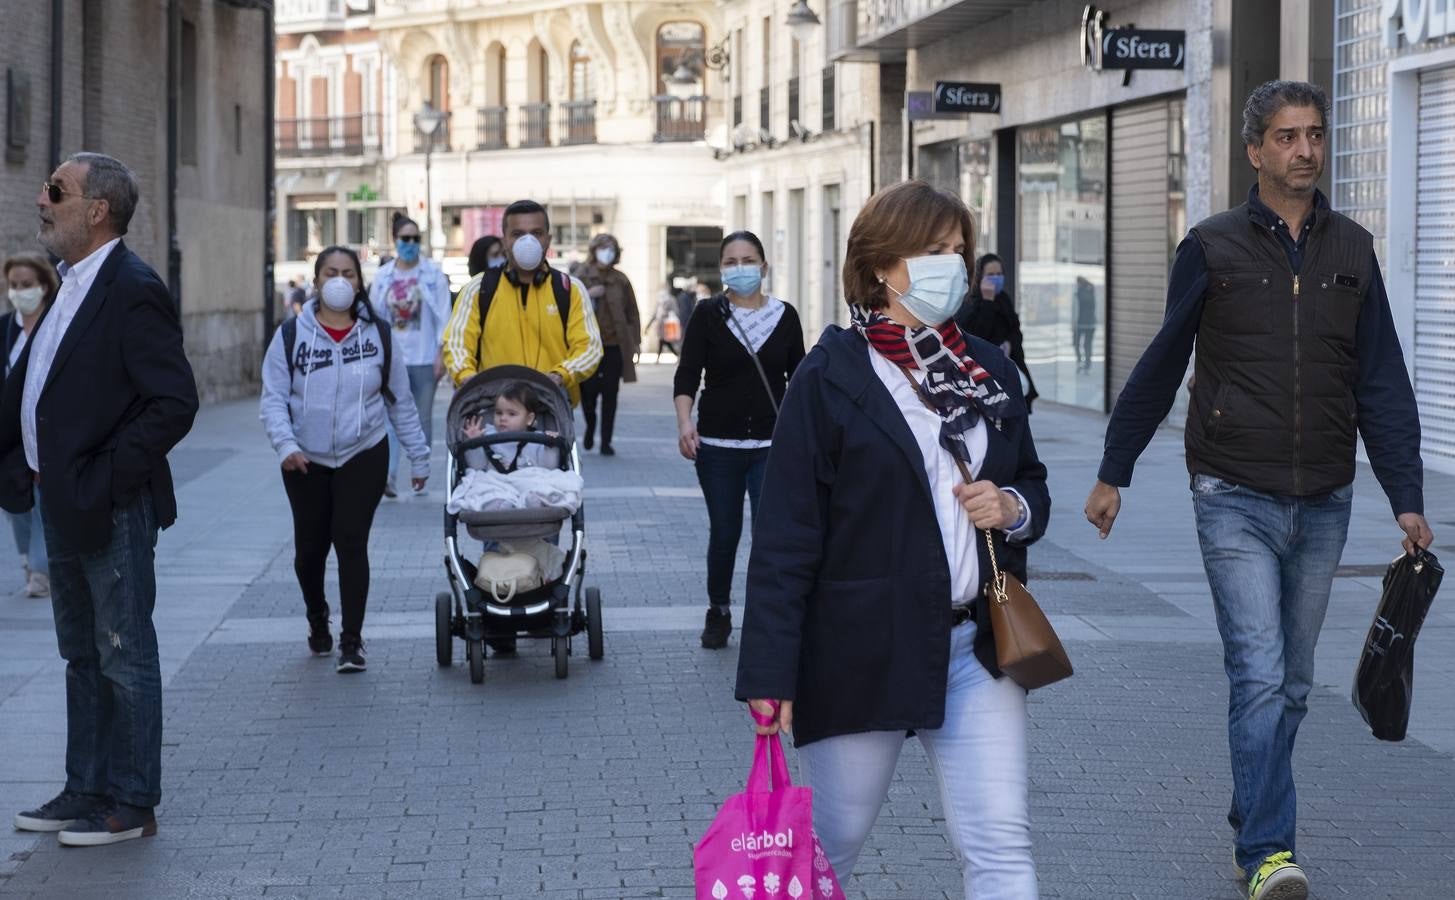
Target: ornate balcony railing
[(680, 119), (578, 122), (328, 136), (535, 125), (490, 128)]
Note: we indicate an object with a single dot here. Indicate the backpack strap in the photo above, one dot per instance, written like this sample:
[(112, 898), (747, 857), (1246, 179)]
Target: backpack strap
[(561, 285), (386, 349), (290, 338)]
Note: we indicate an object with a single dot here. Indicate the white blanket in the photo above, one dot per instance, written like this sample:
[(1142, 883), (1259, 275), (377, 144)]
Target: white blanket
[(484, 490)]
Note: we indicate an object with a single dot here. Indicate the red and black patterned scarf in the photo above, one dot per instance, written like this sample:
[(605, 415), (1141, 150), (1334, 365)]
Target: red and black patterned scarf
[(958, 387)]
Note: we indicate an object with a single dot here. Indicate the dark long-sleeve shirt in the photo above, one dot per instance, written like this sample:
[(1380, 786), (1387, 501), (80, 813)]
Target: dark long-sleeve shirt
[(1388, 418)]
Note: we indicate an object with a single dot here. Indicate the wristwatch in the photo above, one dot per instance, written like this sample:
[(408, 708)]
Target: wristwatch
[(1022, 514)]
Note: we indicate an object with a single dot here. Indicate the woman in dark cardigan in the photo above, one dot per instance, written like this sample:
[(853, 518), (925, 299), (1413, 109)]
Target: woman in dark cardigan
[(748, 344), (989, 313), (866, 615)]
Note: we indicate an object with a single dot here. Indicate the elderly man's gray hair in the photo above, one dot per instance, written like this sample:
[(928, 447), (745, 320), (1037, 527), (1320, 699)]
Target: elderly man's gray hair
[(109, 179), (1271, 96)]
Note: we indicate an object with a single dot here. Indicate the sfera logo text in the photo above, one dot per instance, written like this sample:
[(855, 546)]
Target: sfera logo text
[(1133, 47), (767, 840)]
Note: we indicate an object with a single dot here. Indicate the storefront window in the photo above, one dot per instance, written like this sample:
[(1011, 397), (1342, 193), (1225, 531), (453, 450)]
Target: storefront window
[(977, 188), (1061, 279)]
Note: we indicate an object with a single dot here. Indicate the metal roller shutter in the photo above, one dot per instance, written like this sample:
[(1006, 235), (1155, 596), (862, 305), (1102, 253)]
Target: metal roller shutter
[(1435, 263), (1137, 294)]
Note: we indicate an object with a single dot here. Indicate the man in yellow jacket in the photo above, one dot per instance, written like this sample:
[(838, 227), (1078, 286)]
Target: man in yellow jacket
[(524, 323)]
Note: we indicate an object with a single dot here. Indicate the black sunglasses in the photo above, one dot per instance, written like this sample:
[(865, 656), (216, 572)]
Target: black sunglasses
[(408, 238), (55, 192)]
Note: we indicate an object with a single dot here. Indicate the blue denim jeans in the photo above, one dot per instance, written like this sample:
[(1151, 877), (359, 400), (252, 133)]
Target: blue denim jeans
[(30, 537), (979, 759), (422, 385), (1270, 562), (726, 474), (103, 604)]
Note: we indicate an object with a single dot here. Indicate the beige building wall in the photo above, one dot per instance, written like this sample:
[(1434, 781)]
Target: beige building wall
[(114, 101)]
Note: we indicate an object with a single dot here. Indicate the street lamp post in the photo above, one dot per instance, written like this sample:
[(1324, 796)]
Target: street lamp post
[(427, 121), (801, 20)]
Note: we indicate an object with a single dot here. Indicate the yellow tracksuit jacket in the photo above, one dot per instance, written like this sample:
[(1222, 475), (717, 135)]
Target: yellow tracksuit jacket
[(523, 334)]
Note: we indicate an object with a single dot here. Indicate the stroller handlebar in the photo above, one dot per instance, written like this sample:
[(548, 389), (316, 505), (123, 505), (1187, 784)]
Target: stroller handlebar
[(514, 437)]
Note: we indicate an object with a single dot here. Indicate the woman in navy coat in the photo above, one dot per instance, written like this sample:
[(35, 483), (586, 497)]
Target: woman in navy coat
[(866, 616)]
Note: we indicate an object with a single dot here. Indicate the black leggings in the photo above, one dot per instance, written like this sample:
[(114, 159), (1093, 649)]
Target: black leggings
[(335, 508), (606, 384)]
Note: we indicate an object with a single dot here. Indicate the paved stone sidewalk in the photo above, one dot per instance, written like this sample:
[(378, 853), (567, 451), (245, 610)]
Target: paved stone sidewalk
[(285, 779)]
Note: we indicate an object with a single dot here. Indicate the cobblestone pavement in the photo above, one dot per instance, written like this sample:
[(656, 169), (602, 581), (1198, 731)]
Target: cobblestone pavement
[(285, 779)]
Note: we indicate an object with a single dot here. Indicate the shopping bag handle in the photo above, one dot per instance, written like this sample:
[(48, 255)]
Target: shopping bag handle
[(770, 766)]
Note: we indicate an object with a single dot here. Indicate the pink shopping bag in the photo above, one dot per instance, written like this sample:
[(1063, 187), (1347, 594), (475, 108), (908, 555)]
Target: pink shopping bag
[(761, 846)]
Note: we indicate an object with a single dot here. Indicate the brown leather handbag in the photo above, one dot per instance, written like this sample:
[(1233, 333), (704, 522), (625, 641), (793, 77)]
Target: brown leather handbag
[(1026, 646)]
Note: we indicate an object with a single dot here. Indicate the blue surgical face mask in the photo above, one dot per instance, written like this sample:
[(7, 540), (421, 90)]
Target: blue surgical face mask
[(742, 280), (408, 250), (995, 282), (936, 287)]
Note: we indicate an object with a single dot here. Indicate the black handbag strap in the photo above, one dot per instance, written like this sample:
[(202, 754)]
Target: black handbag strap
[(748, 346)]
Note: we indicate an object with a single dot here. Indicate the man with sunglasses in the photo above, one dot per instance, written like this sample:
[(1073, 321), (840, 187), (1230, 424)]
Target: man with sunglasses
[(100, 394)]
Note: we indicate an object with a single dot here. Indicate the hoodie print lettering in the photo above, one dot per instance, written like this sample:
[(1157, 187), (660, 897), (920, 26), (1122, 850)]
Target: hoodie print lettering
[(308, 359)]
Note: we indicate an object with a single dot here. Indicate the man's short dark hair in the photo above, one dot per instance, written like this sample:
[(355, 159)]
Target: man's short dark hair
[(109, 179), (523, 208), (1270, 97)]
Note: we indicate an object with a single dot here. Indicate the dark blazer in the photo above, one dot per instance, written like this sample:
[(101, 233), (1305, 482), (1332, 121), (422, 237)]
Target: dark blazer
[(120, 394), (848, 601)]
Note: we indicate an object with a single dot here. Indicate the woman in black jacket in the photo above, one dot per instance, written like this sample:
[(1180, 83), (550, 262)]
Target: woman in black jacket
[(748, 344), (989, 313), (866, 615)]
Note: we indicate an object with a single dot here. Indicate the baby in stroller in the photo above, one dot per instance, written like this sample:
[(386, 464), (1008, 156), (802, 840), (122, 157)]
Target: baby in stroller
[(517, 407)]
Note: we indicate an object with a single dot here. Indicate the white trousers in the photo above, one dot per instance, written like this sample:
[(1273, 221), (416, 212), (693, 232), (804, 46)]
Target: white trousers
[(979, 758)]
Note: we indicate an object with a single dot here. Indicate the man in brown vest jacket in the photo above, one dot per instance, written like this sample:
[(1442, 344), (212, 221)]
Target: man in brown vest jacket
[(1297, 357)]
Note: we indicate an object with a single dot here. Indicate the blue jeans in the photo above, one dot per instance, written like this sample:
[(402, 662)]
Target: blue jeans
[(422, 384), (30, 537), (103, 604), (1270, 562), (979, 759), (725, 475)]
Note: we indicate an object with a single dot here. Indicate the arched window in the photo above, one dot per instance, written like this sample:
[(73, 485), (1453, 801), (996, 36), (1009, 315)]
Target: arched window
[(581, 86), (679, 43), (438, 85), (495, 75), (538, 73)]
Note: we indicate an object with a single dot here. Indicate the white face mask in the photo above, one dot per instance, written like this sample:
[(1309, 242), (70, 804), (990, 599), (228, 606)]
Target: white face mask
[(606, 256), (337, 293), (936, 287), (27, 300), (528, 252)]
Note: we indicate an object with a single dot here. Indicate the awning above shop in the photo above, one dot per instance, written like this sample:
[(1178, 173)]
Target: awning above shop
[(886, 30)]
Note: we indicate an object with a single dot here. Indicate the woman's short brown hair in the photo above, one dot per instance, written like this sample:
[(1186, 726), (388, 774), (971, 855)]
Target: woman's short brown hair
[(42, 269), (898, 222)]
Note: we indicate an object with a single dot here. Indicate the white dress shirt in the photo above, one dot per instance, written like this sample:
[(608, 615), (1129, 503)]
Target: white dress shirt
[(962, 540), (76, 282)]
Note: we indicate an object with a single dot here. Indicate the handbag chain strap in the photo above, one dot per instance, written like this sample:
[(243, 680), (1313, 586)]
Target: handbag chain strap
[(997, 583)]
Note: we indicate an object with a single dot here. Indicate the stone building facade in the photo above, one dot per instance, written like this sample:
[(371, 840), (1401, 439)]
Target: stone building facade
[(112, 97)]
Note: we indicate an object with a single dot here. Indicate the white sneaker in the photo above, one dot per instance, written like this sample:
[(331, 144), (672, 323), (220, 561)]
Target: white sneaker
[(38, 585)]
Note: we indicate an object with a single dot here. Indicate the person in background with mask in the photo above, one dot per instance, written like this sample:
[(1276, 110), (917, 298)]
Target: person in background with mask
[(989, 314), (902, 443), (32, 285), (748, 345), (326, 407), (668, 323), (412, 294), (620, 322), (524, 313), (486, 253)]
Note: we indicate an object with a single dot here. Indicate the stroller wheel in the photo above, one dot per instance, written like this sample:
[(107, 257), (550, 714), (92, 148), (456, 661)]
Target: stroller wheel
[(475, 650), (595, 641), (444, 652), (560, 649)]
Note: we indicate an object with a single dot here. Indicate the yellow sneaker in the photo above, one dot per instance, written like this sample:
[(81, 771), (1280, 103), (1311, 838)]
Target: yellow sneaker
[(1278, 878)]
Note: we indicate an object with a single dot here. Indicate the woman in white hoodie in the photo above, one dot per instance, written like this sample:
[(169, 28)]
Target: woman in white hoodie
[(327, 410)]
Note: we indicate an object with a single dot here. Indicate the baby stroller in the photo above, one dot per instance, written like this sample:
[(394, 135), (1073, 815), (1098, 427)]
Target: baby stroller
[(467, 612)]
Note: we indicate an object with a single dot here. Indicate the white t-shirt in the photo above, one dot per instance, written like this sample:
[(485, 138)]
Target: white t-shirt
[(416, 304)]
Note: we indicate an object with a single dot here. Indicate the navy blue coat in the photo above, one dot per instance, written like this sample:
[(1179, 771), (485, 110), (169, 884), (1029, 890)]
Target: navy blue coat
[(848, 601)]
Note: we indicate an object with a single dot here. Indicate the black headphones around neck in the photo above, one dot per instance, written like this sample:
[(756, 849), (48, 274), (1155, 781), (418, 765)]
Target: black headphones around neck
[(538, 277)]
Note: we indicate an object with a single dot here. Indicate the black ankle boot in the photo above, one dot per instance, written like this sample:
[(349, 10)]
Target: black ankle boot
[(716, 629)]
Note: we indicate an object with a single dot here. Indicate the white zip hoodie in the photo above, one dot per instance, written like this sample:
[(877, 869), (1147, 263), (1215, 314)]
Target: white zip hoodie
[(332, 409)]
